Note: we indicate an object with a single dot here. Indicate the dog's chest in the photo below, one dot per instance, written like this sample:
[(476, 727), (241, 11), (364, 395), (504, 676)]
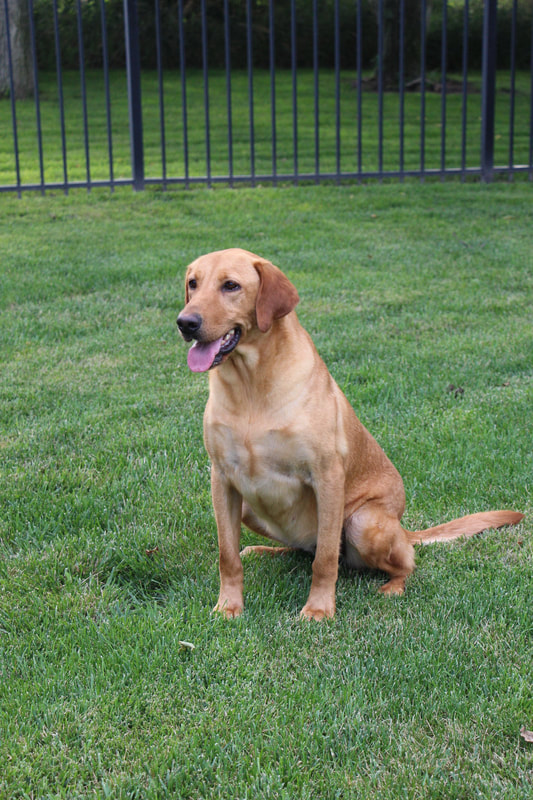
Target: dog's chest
[(270, 468)]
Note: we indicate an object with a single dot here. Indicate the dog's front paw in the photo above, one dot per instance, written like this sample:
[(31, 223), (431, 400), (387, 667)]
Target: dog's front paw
[(229, 608), (317, 611)]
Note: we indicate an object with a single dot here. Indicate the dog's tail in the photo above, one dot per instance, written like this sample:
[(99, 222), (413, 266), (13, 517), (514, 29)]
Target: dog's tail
[(465, 526)]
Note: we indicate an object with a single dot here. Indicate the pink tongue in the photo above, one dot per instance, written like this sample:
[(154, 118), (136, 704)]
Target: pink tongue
[(201, 355)]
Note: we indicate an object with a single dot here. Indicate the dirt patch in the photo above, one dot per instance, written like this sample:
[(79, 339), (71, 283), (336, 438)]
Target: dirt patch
[(451, 86)]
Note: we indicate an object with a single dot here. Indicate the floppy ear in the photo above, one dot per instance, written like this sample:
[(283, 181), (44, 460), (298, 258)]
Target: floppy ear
[(276, 297)]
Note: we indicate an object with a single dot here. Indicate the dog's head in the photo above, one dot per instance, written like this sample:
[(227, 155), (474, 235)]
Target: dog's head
[(229, 295)]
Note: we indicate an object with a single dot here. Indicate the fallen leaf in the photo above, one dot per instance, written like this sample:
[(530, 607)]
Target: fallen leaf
[(152, 551), (186, 646), (527, 735)]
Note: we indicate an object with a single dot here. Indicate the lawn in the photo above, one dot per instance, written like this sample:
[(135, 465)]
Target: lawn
[(348, 153), (108, 554)]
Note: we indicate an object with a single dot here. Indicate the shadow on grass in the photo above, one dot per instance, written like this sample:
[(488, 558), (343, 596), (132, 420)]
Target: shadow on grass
[(151, 575)]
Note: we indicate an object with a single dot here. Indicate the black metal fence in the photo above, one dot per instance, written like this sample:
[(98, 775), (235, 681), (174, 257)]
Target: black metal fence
[(352, 118)]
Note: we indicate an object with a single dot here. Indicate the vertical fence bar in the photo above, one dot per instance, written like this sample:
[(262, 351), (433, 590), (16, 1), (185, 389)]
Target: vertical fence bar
[(488, 89), (272, 61), (60, 95), (531, 108), (316, 91), (513, 88), (206, 94), (423, 13), (444, 66), (105, 61), (359, 37), (337, 91), (227, 55), (464, 107), (83, 85), (12, 98), (183, 80), (161, 90), (381, 27), (250, 67), (294, 90), (133, 75), (37, 100), (401, 68)]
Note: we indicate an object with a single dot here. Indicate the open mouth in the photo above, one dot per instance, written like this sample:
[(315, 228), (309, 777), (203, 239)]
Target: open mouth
[(206, 355)]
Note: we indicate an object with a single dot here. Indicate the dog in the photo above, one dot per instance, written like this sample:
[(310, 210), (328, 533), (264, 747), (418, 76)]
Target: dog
[(290, 459)]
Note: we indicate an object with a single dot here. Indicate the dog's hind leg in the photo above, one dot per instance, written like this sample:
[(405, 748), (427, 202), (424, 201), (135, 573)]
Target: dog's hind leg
[(261, 549), (376, 539), (257, 525)]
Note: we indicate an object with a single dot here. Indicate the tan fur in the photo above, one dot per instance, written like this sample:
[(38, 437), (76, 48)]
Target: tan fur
[(290, 459)]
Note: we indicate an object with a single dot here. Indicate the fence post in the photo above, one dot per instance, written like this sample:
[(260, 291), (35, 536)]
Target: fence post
[(133, 76), (488, 89)]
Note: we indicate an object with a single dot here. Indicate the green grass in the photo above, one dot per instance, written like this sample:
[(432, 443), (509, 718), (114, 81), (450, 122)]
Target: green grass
[(197, 166), (108, 555)]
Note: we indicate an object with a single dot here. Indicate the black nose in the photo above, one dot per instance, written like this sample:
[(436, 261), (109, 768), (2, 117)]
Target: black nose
[(189, 324)]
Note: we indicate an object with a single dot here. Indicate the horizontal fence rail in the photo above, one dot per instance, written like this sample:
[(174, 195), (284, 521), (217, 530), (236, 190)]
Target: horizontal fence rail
[(242, 92)]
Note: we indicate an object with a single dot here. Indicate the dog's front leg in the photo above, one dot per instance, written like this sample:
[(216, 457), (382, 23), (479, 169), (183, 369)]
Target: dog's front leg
[(227, 504), (329, 492)]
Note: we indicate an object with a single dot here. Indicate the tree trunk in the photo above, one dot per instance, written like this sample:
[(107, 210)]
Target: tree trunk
[(21, 60), (391, 41)]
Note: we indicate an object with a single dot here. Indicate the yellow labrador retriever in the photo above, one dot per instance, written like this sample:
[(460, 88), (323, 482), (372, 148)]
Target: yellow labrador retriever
[(289, 457)]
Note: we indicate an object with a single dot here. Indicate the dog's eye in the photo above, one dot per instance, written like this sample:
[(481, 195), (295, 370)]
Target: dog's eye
[(230, 286), (192, 283)]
